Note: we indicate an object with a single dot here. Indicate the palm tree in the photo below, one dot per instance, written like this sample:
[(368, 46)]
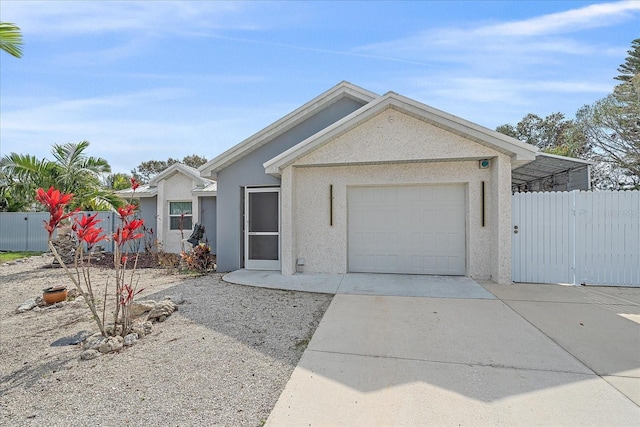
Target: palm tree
[(74, 169), (71, 172), (11, 39), (20, 176)]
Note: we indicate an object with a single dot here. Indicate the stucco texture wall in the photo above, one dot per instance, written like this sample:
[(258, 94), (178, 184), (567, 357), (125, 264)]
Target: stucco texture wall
[(248, 171), (395, 136), (391, 149), (176, 188)]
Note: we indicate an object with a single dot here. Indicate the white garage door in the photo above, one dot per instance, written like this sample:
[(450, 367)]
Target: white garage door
[(407, 229)]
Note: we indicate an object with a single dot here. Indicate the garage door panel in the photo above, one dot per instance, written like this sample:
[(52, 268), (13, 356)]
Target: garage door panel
[(407, 229)]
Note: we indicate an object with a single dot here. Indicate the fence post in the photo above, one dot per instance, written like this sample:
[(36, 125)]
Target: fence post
[(572, 235), (26, 234)]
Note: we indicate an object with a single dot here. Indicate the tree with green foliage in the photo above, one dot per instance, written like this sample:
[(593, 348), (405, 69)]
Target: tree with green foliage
[(612, 125), (607, 132), (72, 171), (147, 170), (117, 181), (554, 134), (11, 39)]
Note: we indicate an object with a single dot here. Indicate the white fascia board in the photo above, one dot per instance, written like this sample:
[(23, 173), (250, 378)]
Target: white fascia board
[(138, 194), (568, 159), (202, 192), (179, 168), (518, 150), (209, 190), (211, 168)]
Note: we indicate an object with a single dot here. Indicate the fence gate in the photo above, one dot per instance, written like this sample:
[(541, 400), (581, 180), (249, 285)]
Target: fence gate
[(576, 238)]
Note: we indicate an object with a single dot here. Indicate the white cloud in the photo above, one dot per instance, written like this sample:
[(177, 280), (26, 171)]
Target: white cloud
[(592, 16), (54, 19), (515, 41), (156, 131)]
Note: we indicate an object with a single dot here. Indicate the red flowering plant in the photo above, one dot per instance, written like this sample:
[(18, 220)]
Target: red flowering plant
[(55, 201), (127, 232), (87, 234)]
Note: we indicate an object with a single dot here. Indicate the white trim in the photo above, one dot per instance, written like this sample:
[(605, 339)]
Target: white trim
[(343, 89), (180, 168), (569, 159), (250, 264), (519, 151), (193, 218)]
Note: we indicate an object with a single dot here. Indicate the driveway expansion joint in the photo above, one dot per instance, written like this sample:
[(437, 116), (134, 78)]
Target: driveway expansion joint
[(471, 365)]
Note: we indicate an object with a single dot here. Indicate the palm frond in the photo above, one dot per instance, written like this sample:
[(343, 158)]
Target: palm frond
[(11, 39)]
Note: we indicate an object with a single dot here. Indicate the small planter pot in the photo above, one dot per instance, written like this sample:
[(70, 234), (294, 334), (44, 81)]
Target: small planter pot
[(54, 294)]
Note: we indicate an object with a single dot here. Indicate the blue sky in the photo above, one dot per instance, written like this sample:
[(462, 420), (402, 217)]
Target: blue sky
[(153, 80)]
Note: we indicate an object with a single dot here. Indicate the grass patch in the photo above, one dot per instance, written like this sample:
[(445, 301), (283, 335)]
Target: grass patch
[(10, 256)]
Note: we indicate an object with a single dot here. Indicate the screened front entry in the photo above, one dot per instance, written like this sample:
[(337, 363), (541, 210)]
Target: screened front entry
[(262, 229)]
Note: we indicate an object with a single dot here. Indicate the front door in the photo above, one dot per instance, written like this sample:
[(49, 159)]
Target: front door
[(262, 228)]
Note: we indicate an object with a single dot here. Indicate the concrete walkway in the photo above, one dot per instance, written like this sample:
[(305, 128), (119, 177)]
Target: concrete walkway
[(515, 355), (364, 284)]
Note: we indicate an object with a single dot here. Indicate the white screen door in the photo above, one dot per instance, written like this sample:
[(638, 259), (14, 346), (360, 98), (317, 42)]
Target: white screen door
[(262, 228)]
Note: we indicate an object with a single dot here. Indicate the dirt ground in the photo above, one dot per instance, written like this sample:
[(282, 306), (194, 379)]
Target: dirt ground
[(221, 359)]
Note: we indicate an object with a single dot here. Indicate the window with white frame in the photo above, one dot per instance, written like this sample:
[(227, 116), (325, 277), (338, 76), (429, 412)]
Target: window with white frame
[(180, 216)]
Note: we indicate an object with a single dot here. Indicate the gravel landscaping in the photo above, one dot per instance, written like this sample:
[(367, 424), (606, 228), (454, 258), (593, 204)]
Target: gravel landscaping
[(222, 359)]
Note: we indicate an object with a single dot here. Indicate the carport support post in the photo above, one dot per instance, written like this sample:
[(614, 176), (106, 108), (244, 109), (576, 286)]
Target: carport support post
[(500, 219)]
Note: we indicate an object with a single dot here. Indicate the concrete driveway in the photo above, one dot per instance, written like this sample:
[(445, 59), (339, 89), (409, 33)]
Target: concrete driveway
[(526, 355)]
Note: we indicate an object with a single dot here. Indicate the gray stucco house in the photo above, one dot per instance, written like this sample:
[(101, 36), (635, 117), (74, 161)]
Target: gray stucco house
[(176, 198), (356, 182)]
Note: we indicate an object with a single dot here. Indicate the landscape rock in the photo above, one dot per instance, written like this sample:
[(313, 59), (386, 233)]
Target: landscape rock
[(73, 293), (138, 308), (93, 342), (65, 246), (56, 305), (27, 305), (110, 331), (130, 339), (162, 310), (177, 299), (142, 328), (72, 340), (89, 354), (111, 344)]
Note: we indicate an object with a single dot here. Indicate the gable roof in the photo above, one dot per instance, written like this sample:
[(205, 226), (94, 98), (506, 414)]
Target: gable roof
[(143, 191), (183, 169), (340, 91), (520, 152), (204, 186)]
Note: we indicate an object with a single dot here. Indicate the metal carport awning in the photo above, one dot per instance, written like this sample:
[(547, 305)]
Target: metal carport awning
[(549, 172)]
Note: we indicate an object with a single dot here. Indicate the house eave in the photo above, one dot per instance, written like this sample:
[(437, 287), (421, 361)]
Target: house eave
[(517, 150), (175, 168), (343, 89)]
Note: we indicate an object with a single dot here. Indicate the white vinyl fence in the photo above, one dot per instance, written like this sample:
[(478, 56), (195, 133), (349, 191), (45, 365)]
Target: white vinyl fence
[(576, 237), (24, 231)]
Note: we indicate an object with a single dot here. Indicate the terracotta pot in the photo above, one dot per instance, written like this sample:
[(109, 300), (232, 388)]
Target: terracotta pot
[(54, 294)]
